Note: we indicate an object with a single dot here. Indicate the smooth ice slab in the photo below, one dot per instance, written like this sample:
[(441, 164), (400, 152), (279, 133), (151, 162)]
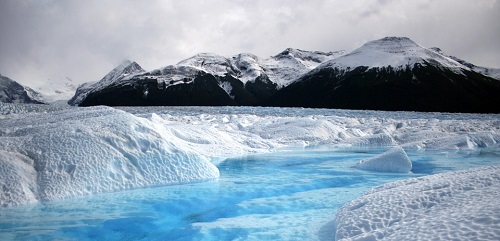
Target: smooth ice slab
[(461, 205), (393, 160)]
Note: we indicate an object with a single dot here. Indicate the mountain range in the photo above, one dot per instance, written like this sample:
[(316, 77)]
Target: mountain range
[(204, 79), (393, 73)]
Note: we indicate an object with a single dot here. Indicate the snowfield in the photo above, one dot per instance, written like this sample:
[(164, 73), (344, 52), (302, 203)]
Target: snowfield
[(54, 152), (462, 205)]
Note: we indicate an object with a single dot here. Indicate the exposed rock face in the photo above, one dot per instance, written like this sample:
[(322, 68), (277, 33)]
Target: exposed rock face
[(202, 91), (13, 92), (424, 87)]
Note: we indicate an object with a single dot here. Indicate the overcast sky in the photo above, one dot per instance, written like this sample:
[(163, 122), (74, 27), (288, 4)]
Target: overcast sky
[(49, 40)]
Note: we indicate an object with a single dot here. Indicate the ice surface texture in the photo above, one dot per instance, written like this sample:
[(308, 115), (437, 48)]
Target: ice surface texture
[(92, 150), (394, 160), (48, 153), (461, 205)]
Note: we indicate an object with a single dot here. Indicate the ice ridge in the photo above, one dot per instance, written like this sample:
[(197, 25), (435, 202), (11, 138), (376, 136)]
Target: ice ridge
[(92, 150)]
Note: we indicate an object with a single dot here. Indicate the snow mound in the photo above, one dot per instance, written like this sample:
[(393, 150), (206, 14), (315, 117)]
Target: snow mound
[(404, 210), (393, 160), (93, 150)]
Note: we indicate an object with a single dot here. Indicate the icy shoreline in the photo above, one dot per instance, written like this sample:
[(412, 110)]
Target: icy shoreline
[(61, 152)]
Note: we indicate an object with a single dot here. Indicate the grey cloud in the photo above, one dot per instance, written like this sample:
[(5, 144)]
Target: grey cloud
[(50, 39)]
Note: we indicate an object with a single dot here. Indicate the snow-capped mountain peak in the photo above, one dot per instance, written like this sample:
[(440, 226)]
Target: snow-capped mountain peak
[(34, 95), (397, 52), (309, 58), (126, 68), (287, 66), (123, 71), (281, 69), (209, 62), (200, 59), (393, 45), (393, 73), (248, 67)]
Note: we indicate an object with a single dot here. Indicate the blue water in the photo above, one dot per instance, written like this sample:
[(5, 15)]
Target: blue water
[(279, 196)]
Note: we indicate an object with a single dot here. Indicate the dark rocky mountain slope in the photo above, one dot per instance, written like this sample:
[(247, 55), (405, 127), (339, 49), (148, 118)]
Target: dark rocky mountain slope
[(204, 79), (393, 74), (13, 92)]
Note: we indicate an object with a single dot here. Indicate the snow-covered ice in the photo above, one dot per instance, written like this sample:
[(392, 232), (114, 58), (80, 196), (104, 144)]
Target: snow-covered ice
[(77, 151), (45, 156), (393, 160), (54, 152), (462, 205)]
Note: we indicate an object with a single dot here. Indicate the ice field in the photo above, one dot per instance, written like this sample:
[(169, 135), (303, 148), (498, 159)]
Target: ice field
[(244, 173)]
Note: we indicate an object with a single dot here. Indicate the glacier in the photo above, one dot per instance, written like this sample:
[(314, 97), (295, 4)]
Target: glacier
[(57, 152), (461, 205), (74, 152), (62, 152)]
